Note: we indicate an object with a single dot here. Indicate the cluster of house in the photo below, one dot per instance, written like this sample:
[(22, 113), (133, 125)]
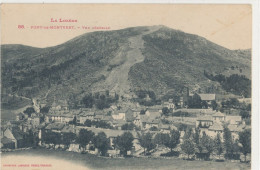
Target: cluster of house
[(151, 117), (15, 132), (214, 124), (61, 119)]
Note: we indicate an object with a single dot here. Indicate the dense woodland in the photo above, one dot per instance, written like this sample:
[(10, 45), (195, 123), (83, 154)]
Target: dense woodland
[(236, 84)]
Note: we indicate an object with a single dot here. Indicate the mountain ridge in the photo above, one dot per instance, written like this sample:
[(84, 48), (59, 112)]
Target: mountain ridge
[(153, 57)]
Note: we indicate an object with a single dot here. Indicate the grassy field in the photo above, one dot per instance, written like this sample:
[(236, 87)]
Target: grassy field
[(94, 162)]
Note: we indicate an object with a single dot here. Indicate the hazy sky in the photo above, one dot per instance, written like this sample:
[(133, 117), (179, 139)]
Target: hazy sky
[(226, 25)]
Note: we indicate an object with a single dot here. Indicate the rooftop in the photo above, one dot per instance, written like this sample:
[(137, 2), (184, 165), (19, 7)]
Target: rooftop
[(119, 122), (168, 126), (98, 117), (205, 118), (153, 110), (67, 129), (235, 128), (110, 132), (207, 96), (41, 126), (216, 127), (107, 118), (218, 114), (84, 114), (234, 118), (55, 126)]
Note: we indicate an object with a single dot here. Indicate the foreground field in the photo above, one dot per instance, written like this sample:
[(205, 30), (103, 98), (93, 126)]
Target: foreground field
[(93, 162)]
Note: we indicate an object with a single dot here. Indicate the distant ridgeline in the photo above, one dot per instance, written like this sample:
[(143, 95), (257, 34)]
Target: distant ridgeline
[(236, 84)]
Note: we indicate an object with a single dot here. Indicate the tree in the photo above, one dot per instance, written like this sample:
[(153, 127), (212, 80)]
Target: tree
[(124, 142), (74, 121), (141, 94), (182, 127), (214, 105), (161, 138), (30, 138), (228, 142), (107, 93), (188, 147), (208, 143), (231, 146), (127, 126), (153, 128), (174, 140), (204, 104), (88, 123), (218, 145), (195, 101), (197, 140), (165, 111), (248, 108), (244, 114), (234, 102), (188, 133), (88, 101), (109, 113), (101, 124), (196, 136), (29, 111), (45, 109), (102, 143), (67, 138), (245, 141), (52, 138), (146, 141), (101, 103), (152, 95), (116, 97), (142, 112), (85, 137)]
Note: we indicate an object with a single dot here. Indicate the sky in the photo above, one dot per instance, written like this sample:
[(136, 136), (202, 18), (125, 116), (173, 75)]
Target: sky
[(227, 25)]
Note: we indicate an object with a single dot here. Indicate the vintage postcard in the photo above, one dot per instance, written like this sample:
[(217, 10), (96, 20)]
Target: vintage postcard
[(126, 86)]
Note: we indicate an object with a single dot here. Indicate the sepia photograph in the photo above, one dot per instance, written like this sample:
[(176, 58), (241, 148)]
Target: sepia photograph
[(126, 86)]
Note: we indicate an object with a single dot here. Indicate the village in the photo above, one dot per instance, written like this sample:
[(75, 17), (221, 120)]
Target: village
[(169, 129)]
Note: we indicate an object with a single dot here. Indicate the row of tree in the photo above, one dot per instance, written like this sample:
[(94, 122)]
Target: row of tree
[(100, 140), (97, 124), (204, 145), (100, 101), (193, 142)]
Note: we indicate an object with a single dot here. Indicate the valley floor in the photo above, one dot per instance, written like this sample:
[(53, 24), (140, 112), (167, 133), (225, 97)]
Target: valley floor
[(93, 162)]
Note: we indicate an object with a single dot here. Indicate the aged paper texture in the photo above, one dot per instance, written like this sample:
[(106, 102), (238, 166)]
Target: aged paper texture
[(126, 86)]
